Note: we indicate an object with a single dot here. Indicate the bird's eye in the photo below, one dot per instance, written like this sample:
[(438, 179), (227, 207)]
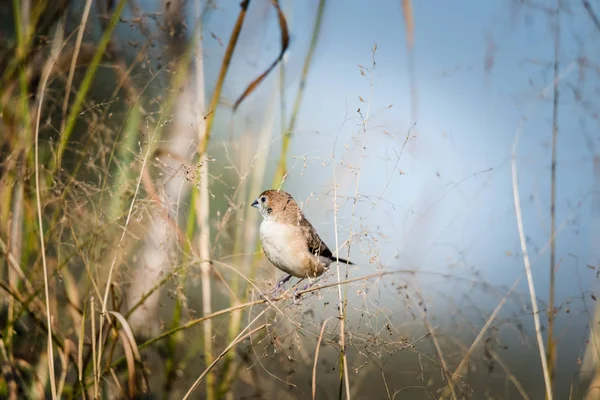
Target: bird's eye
[(263, 199)]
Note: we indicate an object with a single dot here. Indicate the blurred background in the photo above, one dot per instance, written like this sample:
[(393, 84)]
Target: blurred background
[(449, 149)]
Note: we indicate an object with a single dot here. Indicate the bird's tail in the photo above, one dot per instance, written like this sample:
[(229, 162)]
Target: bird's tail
[(342, 260)]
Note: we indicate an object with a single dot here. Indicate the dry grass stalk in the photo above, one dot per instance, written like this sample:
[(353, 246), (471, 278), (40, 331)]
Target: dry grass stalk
[(534, 306), (56, 45)]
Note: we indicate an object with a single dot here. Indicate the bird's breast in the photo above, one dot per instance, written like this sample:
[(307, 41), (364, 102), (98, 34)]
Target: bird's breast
[(286, 248)]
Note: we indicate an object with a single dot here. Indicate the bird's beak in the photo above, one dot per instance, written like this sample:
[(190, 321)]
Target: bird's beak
[(255, 204)]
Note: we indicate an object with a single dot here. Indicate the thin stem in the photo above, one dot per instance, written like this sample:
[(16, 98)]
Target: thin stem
[(231, 345), (117, 251), (84, 18), (551, 343), (341, 299), (202, 197), (95, 364), (480, 336), (56, 44), (214, 102), (86, 85), (314, 373), (534, 306), (281, 167)]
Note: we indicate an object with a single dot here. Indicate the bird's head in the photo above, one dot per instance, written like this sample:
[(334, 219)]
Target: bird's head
[(277, 205)]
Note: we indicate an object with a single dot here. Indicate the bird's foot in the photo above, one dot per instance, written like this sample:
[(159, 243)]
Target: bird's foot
[(282, 281), (298, 295), (274, 293), (279, 287), (271, 294)]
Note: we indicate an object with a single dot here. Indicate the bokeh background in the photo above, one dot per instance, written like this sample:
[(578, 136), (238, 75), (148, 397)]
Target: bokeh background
[(404, 129)]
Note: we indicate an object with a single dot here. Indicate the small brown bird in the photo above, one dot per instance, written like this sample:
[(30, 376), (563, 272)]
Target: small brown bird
[(288, 240)]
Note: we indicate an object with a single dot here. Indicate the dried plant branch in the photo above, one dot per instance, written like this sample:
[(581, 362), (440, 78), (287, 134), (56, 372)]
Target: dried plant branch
[(287, 135), (95, 363), (479, 337), (555, 102), (12, 262), (407, 13), (203, 213), (80, 33), (59, 341), (588, 7), (436, 342), (104, 314), (80, 341), (131, 350), (285, 42), (511, 376), (235, 34), (341, 299), (10, 373), (242, 306), (523, 241), (314, 372), (56, 45), (247, 233), (85, 85), (63, 355), (231, 345), (16, 252), (202, 201)]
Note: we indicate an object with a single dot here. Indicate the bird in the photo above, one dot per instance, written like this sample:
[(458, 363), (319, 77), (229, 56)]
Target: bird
[(289, 240)]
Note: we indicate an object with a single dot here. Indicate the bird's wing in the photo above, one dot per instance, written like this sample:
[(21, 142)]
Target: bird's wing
[(315, 245)]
